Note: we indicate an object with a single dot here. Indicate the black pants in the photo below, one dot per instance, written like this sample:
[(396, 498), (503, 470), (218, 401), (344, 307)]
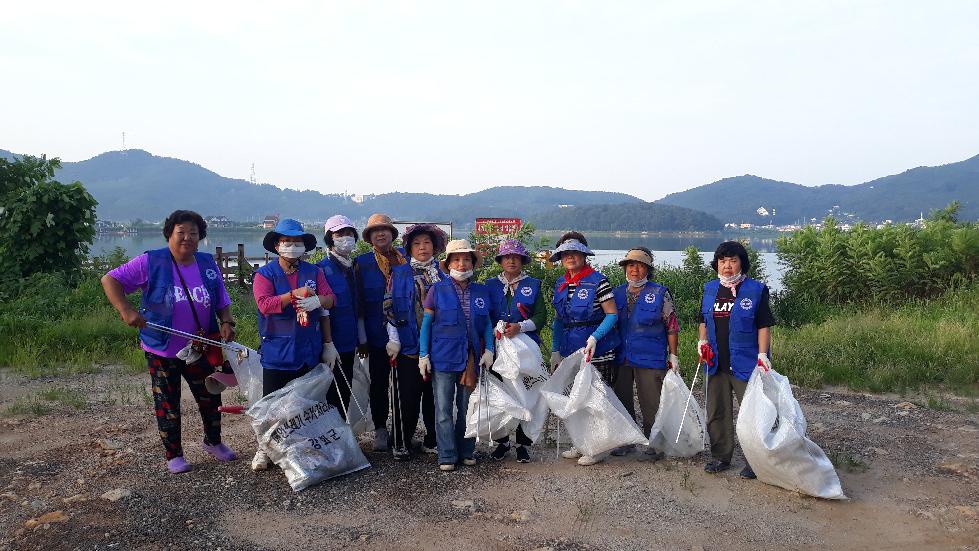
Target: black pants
[(339, 394), (407, 400), (275, 379)]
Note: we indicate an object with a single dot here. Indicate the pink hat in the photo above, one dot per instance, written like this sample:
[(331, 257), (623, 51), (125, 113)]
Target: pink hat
[(334, 224)]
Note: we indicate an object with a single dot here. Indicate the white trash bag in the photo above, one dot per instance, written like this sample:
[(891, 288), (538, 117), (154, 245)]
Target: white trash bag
[(247, 365), (303, 434), (492, 411), (519, 362), (359, 409), (673, 412), (772, 431), (595, 419)]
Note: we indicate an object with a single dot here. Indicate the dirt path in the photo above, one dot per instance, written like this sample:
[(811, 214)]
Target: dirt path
[(912, 474)]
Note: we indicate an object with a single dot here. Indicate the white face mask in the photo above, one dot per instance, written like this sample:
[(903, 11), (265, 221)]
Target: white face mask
[(730, 280), (460, 276), (292, 250), (634, 283), (344, 245)]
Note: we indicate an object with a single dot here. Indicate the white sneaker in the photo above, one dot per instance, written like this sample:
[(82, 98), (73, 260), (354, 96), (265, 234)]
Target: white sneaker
[(381, 440), (571, 453), (469, 462), (447, 467), (586, 460), (261, 461)]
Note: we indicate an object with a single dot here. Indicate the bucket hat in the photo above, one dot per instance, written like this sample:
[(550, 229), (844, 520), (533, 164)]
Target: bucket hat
[(377, 221), (570, 245), (439, 238), (637, 255), (288, 228), (460, 246), (513, 246)]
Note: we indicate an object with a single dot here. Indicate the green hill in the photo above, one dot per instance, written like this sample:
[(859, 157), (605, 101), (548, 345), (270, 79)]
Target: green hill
[(650, 217)]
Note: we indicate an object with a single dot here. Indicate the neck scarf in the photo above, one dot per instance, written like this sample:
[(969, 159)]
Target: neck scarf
[(511, 286), (344, 261), (386, 260), (428, 270), (732, 282), (574, 279)]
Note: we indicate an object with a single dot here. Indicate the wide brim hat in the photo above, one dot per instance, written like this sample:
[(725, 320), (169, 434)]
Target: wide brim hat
[(288, 228), (334, 224), (512, 246), (637, 255), (461, 246), (377, 221), (439, 238), (570, 245)]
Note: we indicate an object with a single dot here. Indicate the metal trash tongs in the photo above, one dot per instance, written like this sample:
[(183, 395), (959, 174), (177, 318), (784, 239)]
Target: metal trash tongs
[(240, 349)]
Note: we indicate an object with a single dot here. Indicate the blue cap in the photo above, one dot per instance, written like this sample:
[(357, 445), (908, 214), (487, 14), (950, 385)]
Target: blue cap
[(288, 228), (571, 245)]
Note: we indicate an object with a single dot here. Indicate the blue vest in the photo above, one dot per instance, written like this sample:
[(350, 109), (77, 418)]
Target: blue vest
[(372, 286), (452, 338), (157, 302), (742, 333), (286, 345), (343, 315), (526, 293), (579, 317), (643, 332), (404, 296)]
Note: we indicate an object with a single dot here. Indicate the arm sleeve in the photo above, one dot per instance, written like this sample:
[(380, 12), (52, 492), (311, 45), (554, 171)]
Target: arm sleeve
[(557, 328), (323, 288), (392, 333), (764, 317), (425, 334), (607, 324), (268, 302), (489, 338), (361, 331)]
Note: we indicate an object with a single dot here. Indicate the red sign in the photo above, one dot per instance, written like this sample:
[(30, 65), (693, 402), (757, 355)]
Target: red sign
[(506, 226)]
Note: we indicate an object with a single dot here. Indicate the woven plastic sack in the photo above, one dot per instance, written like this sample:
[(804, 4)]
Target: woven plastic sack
[(247, 365), (772, 431), (679, 427), (492, 411), (595, 419), (303, 434), (519, 362), (359, 409)]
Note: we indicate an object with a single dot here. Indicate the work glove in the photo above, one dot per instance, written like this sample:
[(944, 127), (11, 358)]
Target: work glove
[(555, 360), (424, 366), (392, 348), (330, 356), (308, 304), (763, 362), (486, 361), (674, 362), (188, 354), (590, 345), (704, 350)]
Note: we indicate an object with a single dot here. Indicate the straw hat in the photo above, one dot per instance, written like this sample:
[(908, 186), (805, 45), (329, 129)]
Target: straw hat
[(379, 221), (461, 246), (637, 255)]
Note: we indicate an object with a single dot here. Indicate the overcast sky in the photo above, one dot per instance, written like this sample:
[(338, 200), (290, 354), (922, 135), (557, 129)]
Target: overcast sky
[(646, 97)]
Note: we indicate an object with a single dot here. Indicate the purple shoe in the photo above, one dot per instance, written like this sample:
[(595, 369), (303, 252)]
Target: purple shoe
[(178, 465), (220, 452)]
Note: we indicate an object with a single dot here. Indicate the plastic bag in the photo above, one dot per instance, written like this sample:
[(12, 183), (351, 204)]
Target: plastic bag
[(247, 365), (772, 431), (492, 411), (519, 362), (673, 412), (303, 434), (359, 409), (595, 419)]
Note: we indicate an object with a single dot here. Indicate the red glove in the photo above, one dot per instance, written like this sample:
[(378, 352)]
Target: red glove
[(706, 352)]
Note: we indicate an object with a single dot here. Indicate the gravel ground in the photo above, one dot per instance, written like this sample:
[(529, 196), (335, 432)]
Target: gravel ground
[(91, 476)]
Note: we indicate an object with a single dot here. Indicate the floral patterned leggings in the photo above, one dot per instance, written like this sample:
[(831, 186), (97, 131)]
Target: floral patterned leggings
[(165, 374)]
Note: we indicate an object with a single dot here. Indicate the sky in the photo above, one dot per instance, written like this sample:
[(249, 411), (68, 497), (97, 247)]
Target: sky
[(646, 98)]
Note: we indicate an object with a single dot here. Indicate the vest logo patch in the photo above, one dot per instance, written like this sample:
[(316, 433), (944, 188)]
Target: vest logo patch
[(745, 304), (526, 291), (479, 302), (582, 294), (311, 284), (650, 298), (211, 274)]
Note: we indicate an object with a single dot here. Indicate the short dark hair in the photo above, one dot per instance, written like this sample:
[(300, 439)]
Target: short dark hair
[(182, 216), (571, 235), (328, 236), (728, 249)]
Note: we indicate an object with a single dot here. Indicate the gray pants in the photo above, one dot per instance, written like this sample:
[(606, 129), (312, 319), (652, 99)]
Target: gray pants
[(720, 413), (650, 385)]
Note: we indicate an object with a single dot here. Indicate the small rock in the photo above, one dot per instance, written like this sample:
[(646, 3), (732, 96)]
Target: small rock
[(520, 516), (967, 428), (34, 486), (80, 481), (880, 420), (38, 504), (117, 494), (817, 427), (957, 467), (865, 416), (825, 396), (9, 495), (879, 451), (548, 548), (905, 405), (842, 403), (967, 511), (52, 517), (77, 498), (364, 537), (629, 473), (925, 514), (463, 504), (32, 523)]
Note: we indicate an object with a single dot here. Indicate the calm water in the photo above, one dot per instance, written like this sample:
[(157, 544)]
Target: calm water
[(668, 249)]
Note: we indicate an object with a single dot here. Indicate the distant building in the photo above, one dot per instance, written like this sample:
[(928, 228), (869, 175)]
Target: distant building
[(359, 199), (218, 221), (270, 221), (564, 206), (746, 226)]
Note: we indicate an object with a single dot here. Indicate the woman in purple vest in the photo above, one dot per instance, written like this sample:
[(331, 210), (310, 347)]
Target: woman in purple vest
[(403, 310), (286, 291), (735, 339), (650, 331), (456, 333), (585, 318), (181, 289)]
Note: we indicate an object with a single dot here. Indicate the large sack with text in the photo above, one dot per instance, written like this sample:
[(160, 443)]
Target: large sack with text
[(303, 434), (492, 411), (519, 362), (679, 427), (772, 432), (595, 419)]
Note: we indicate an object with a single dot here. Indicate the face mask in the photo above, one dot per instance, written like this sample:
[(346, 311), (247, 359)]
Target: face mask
[(344, 245), (460, 276), (730, 280), (635, 283), (292, 250)]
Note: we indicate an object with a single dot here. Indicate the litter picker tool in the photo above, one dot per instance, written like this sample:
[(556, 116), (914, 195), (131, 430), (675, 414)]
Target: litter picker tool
[(225, 345), (689, 396)]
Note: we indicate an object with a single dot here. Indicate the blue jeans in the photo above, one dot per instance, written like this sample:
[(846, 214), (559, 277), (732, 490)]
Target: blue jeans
[(449, 430)]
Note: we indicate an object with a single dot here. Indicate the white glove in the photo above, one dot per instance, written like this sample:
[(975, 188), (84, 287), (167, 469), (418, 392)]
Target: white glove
[(674, 362), (424, 366), (590, 347), (526, 326), (763, 362), (486, 361), (309, 304), (555, 360), (392, 349), (188, 354), (330, 356)]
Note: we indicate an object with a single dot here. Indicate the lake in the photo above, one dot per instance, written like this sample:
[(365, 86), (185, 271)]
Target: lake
[(667, 248)]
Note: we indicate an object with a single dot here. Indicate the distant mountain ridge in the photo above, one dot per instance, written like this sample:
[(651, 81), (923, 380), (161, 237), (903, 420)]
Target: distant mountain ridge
[(900, 197)]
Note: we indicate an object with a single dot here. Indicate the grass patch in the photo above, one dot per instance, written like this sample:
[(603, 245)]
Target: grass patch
[(44, 401), (28, 406), (847, 462), (64, 396)]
